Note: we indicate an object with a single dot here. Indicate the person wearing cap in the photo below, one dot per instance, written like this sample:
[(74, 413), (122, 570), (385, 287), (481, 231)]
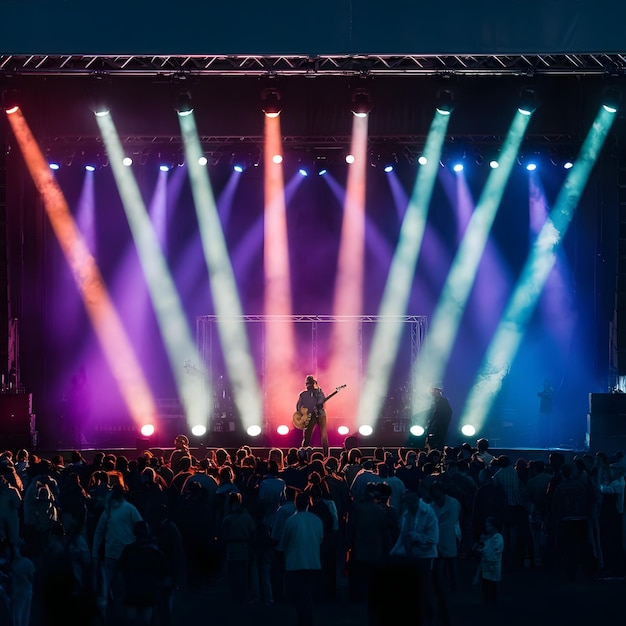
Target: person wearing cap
[(439, 422), (311, 402)]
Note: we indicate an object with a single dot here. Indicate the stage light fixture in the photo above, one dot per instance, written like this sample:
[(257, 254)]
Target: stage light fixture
[(202, 160), (527, 101), (366, 430), (388, 169), (303, 172), (127, 161), (54, 165), (445, 102), (183, 103), (238, 167), (10, 100), (277, 159), (322, 172), (416, 430), (254, 430), (343, 430), (270, 99), (100, 94), (361, 104), (89, 167), (494, 164), (283, 430), (198, 430), (349, 159), (468, 430), (611, 100), (422, 160), (147, 430)]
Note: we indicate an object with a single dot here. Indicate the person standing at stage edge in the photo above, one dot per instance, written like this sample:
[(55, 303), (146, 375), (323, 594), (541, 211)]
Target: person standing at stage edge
[(439, 421), (312, 400)]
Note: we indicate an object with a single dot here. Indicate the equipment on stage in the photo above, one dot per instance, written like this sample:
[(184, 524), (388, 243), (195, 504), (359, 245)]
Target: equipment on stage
[(302, 417)]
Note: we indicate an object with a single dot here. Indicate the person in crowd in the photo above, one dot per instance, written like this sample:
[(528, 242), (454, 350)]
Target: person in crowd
[(302, 538), (181, 449), (145, 575), (489, 547), (371, 531), (115, 530), (417, 545), (238, 534)]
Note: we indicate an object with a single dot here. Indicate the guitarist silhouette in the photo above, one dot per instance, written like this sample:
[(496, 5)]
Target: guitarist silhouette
[(311, 412)]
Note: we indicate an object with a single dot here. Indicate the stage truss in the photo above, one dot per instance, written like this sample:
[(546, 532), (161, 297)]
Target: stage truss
[(210, 348)]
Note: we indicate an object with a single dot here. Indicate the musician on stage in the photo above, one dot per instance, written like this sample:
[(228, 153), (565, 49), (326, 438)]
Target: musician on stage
[(439, 422), (311, 404)]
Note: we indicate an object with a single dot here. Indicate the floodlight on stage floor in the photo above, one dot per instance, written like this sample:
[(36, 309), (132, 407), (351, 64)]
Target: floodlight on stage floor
[(283, 430), (343, 431), (416, 430), (147, 430), (468, 430), (199, 430), (254, 430), (365, 430)]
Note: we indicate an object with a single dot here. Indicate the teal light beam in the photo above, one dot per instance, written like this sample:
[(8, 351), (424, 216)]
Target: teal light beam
[(388, 331), (536, 270), (230, 323), (173, 325), (444, 326)]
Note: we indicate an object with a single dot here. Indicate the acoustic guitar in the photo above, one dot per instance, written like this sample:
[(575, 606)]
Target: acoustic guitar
[(302, 417)]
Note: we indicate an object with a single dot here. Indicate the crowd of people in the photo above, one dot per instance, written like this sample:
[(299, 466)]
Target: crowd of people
[(114, 533)]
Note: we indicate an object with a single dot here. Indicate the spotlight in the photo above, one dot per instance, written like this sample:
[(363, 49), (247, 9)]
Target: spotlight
[(458, 166), (568, 165), (361, 106), (100, 88), (183, 104), (303, 172), (147, 430), (202, 160), (127, 161), (271, 102), (322, 172), (10, 100), (416, 430), (388, 169), (283, 430), (343, 430), (277, 158), (611, 100), (445, 102), (349, 158), (494, 164), (199, 430), (468, 430), (90, 167), (238, 168), (253, 431), (165, 167), (422, 160), (54, 165), (365, 430), (527, 102)]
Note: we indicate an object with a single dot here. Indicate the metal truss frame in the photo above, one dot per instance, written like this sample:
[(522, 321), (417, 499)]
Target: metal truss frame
[(312, 65), (206, 339)]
